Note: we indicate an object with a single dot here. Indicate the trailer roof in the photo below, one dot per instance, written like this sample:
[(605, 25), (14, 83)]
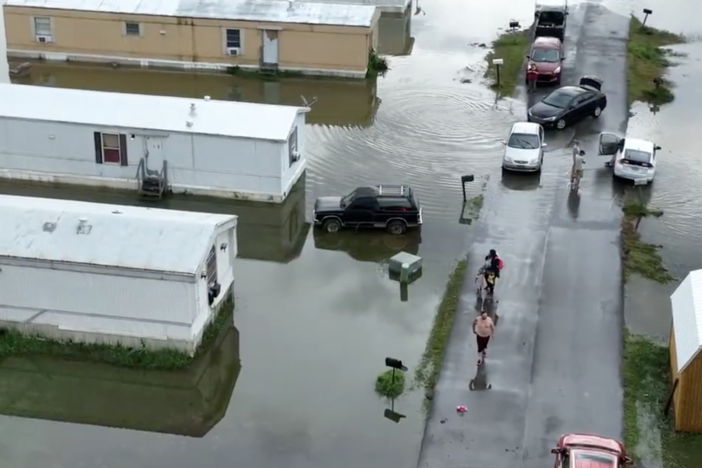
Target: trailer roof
[(122, 237), (686, 304), (275, 11), (142, 112)]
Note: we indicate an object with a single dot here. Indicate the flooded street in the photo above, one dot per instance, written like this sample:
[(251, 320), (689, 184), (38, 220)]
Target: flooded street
[(316, 316)]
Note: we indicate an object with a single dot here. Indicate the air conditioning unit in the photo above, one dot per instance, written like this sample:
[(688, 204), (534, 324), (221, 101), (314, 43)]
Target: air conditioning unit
[(233, 51), (44, 39), (296, 156)]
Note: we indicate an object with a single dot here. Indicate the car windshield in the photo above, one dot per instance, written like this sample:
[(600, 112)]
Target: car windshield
[(545, 55), (637, 156), (558, 99), (523, 141)]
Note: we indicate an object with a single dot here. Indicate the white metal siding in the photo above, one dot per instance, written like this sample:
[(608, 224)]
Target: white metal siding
[(225, 277), (292, 173), (687, 316), (104, 303), (227, 164)]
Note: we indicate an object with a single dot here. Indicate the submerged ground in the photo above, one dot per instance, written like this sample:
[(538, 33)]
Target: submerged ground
[(316, 316)]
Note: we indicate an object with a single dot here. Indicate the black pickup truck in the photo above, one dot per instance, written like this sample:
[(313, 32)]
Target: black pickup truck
[(391, 207), (550, 18)]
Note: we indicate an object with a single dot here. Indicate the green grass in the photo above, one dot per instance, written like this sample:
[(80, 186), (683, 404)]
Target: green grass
[(647, 63), (377, 65), (389, 387), (14, 343), (646, 382), (640, 257), (512, 48), (426, 373)]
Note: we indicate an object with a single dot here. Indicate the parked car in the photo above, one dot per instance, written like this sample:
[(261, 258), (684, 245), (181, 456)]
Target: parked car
[(524, 148), (550, 18), (588, 451), (547, 56), (570, 104), (391, 207), (632, 158)]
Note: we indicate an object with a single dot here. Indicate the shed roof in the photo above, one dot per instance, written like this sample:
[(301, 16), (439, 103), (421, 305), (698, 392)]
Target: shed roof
[(686, 304), (274, 11), (136, 111), (125, 237)]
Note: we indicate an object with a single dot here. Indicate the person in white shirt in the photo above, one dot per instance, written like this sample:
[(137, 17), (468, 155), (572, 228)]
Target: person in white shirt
[(576, 172)]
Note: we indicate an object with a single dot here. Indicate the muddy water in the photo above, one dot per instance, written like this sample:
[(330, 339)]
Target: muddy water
[(317, 318)]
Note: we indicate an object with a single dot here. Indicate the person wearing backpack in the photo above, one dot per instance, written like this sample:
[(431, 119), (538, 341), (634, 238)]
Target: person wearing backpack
[(493, 265)]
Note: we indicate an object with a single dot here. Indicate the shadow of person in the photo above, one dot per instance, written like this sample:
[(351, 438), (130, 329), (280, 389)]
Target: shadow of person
[(479, 382), (573, 204)]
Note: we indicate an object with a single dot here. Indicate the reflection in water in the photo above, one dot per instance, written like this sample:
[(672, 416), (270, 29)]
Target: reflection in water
[(368, 245), (394, 35), (188, 403), (265, 231), (347, 103), (518, 181)]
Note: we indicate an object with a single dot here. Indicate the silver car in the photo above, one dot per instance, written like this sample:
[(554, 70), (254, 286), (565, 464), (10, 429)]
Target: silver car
[(524, 148)]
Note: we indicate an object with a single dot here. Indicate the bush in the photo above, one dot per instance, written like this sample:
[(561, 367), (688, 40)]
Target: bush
[(389, 387)]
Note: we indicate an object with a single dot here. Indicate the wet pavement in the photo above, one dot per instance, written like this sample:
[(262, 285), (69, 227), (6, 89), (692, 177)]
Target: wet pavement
[(556, 351), (317, 316)]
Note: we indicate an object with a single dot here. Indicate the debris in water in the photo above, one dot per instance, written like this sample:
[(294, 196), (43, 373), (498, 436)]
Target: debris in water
[(461, 409)]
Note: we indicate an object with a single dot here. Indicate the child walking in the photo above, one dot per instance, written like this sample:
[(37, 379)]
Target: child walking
[(483, 327)]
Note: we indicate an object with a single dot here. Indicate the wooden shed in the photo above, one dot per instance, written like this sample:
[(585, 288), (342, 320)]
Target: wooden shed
[(685, 358)]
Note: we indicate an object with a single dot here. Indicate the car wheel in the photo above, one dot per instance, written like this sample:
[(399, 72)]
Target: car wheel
[(597, 112), (396, 227), (332, 225), (560, 125)]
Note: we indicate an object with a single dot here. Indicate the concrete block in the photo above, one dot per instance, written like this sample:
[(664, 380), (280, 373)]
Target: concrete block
[(404, 265)]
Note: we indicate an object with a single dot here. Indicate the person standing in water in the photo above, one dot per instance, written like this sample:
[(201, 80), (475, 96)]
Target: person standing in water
[(484, 328)]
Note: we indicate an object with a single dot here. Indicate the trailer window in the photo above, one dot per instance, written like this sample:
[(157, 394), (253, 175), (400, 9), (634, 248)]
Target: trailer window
[(211, 267), (111, 151), (292, 147)]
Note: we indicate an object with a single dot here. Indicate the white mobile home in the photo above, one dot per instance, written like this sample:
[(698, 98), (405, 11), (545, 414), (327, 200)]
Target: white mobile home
[(109, 273), (151, 143)]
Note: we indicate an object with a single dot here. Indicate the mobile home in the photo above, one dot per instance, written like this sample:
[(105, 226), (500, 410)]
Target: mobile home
[(114, 274), (151, 143), (268, 35)]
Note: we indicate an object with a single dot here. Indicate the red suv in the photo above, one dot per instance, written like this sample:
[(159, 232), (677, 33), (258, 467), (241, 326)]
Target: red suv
[(547, 54)]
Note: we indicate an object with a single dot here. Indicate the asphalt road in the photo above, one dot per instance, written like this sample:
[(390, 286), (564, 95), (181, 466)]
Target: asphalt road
[(553, 364)]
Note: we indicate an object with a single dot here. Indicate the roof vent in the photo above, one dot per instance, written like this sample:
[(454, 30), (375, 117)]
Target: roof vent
[(189, 123), (116, 212), (207, 98), (83, 226)]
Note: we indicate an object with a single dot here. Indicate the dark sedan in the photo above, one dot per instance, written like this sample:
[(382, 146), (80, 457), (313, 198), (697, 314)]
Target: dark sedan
[(570, 104)]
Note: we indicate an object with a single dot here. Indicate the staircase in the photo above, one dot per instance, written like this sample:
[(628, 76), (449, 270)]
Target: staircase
[(152, 184), (269, 68)]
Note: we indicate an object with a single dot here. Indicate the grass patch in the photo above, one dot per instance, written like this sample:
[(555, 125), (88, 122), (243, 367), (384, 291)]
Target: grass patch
[(388, 386), (646, 382), (14, 343), (512, 48), (640, 257), (647, 62), (427, 372), (377, 65)]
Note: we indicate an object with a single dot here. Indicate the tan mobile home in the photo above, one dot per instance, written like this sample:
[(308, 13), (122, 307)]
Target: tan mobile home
[(311, 38)]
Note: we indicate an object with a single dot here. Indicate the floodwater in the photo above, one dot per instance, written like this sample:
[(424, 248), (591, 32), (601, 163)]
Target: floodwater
[(316, 315)]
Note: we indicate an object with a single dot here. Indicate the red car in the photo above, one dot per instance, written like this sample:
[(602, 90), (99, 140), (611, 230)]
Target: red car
[(547, 54), (589, 451)]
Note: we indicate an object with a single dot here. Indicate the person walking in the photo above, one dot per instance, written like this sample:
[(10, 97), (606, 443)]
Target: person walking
[(483, 327), (532, 77)]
